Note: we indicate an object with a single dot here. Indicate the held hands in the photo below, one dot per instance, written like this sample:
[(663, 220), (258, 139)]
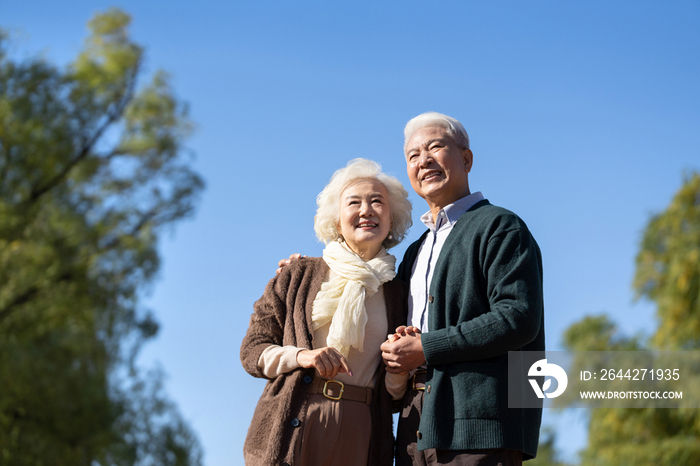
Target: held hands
[(327, 361), (402, 331), (403, 350)]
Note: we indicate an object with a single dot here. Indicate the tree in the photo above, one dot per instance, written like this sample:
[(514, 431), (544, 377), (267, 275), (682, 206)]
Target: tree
[(668, 269), (546, 452), (668, 273), (92, 169), (632, 436)]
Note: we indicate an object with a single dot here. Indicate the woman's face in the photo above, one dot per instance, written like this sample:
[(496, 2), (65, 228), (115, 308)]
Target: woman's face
[(365, 218)]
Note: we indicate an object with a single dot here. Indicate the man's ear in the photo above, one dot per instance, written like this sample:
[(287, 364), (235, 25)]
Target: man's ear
[(468, 159)]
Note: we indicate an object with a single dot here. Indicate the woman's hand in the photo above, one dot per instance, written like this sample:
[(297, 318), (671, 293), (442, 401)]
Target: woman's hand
[(327, 361)]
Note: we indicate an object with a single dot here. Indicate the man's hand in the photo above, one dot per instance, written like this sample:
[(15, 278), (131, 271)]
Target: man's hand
[(285, 262), (328, 361), (403, 350)]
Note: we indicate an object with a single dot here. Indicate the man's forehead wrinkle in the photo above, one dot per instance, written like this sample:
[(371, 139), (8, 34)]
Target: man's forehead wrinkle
[(428, 142)]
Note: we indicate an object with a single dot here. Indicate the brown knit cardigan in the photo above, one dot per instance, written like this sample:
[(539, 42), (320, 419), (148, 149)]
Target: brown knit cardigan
[(283, 317)]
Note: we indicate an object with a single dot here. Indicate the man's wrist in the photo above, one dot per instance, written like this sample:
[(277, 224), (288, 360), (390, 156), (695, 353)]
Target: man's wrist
[(435, 346)]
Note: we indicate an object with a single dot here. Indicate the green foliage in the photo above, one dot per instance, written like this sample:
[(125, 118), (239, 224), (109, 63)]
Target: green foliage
[(668, 273), (546, 452), (598, 333), (628, 436), (91, 171), (668, 269)]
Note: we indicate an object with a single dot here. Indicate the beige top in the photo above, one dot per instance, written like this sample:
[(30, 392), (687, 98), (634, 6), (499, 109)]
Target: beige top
[(276, 360)]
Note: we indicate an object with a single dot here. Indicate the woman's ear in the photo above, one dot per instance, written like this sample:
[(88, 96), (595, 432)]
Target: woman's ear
[(337, 230)]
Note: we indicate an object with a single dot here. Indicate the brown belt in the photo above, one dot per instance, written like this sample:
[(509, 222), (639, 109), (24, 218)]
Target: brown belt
[(336, 391), (417, 382)]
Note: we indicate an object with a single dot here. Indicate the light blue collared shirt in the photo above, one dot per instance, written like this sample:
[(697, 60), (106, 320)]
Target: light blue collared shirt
[(428, 254)]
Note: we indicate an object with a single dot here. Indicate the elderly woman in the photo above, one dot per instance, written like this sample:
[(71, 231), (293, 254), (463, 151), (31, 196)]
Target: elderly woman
[(316, 331)]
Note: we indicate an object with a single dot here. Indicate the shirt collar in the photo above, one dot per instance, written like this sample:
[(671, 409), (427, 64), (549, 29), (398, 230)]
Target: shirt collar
[(451, 213)]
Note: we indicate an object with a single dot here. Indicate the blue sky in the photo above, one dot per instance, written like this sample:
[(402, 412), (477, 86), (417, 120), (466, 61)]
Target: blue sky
[(583, 118)]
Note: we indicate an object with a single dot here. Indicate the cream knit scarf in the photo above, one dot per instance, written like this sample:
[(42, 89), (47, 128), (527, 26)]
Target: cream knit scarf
[(341, 301)]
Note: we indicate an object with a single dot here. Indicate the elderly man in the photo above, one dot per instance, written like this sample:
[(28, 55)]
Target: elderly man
[(476, 293)]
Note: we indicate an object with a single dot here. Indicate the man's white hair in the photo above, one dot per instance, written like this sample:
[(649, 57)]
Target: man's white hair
[(453, 128), (328, 201)]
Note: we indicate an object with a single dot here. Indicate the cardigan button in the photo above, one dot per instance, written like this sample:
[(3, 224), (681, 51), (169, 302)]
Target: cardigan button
[(427, 389), (295, 422), (430, 298), (419, 435)]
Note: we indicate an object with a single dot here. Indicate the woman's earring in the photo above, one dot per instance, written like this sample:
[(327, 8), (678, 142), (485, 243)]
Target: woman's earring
[(390, 236)]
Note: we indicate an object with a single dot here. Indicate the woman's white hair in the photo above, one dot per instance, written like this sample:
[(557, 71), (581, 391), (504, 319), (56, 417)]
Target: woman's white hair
[(453, 127), (328, 201)]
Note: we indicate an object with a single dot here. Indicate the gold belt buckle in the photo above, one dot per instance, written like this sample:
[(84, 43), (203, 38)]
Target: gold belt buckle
[(325, 390), (414, 379)]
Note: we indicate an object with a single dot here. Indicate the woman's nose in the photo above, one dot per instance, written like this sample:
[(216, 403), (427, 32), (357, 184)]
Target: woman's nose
[(365, 209)]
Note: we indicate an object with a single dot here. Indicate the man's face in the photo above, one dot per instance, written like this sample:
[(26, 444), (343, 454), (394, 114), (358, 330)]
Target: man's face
[(437, 167)]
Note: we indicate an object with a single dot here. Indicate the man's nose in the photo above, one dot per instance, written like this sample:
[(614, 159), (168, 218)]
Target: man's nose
[(425, 158)]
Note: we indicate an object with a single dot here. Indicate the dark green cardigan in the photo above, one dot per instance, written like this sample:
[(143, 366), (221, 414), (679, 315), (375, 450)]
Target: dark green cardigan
[(485, 300)]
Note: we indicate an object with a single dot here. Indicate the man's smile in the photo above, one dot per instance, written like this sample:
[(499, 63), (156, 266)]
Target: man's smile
[(431, 174)]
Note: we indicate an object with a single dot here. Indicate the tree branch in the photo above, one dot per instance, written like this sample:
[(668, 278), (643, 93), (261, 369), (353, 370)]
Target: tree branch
[(27, 296), (21, 299), (90, 142), (148, 216)]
